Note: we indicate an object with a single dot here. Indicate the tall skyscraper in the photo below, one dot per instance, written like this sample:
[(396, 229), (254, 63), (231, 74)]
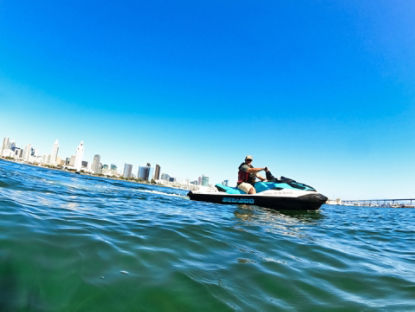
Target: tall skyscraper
[(141, 172), (54, 153), (157, 173), (205, 180), (78, 156), (150, 174), (27, 152), (96, 164), (144, 172), (5, 146), (127, 171)]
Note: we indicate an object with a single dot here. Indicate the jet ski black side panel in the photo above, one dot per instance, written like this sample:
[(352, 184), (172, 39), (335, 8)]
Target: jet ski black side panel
[(305, 202)]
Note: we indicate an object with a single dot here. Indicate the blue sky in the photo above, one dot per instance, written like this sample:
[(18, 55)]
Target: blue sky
[(320, 91)]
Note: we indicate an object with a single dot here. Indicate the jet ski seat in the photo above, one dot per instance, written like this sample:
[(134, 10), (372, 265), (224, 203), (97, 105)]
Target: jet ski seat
[(265, 186), (259, 187)]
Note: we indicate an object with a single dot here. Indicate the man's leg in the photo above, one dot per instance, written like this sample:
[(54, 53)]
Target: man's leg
[(247, 188)]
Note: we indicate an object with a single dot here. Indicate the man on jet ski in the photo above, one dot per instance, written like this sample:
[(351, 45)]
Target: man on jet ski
[(247, 175)]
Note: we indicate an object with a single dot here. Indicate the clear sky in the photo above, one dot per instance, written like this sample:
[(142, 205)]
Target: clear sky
[(319, 91)]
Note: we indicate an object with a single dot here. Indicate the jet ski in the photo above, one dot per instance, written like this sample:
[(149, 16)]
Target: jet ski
[(281, 194)]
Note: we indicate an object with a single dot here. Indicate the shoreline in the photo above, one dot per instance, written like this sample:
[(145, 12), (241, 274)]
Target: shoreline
[(330, 202), (89, 174)]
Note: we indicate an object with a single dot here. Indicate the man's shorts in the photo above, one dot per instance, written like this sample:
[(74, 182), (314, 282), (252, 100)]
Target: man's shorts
[(246, 187)]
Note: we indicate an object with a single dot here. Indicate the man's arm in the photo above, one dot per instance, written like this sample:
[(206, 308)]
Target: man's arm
[(255, 170), (261, 178)]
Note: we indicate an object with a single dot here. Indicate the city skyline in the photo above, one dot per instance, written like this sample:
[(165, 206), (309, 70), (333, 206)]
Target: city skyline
[(77, 162), (321, 92)]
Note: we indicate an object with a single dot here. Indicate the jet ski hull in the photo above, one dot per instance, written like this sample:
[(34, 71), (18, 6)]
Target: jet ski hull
[(304, 202)]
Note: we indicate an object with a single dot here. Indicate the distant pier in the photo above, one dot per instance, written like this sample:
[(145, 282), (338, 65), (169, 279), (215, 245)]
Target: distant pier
[(390, 203)]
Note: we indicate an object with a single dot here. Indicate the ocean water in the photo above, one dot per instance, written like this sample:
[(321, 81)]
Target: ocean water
[(78, 243)]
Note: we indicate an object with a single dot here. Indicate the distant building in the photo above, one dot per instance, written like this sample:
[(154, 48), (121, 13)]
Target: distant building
[(5, 146), (17, 153), (105, 169), (128, 168), (113, 169), (96, 167), (225, 182), (144, 173), (205, 180), (27, 151), (84, 164), (165, 177), (157, 173), (150, 174), (79, 155), (72, 161), (54, 153)]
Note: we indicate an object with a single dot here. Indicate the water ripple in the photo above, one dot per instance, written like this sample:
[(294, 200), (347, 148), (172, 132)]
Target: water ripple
[(74, 243)]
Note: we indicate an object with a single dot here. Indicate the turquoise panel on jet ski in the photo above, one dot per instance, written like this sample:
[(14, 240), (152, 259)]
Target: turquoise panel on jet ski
[(259, 186), (265, 186)]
